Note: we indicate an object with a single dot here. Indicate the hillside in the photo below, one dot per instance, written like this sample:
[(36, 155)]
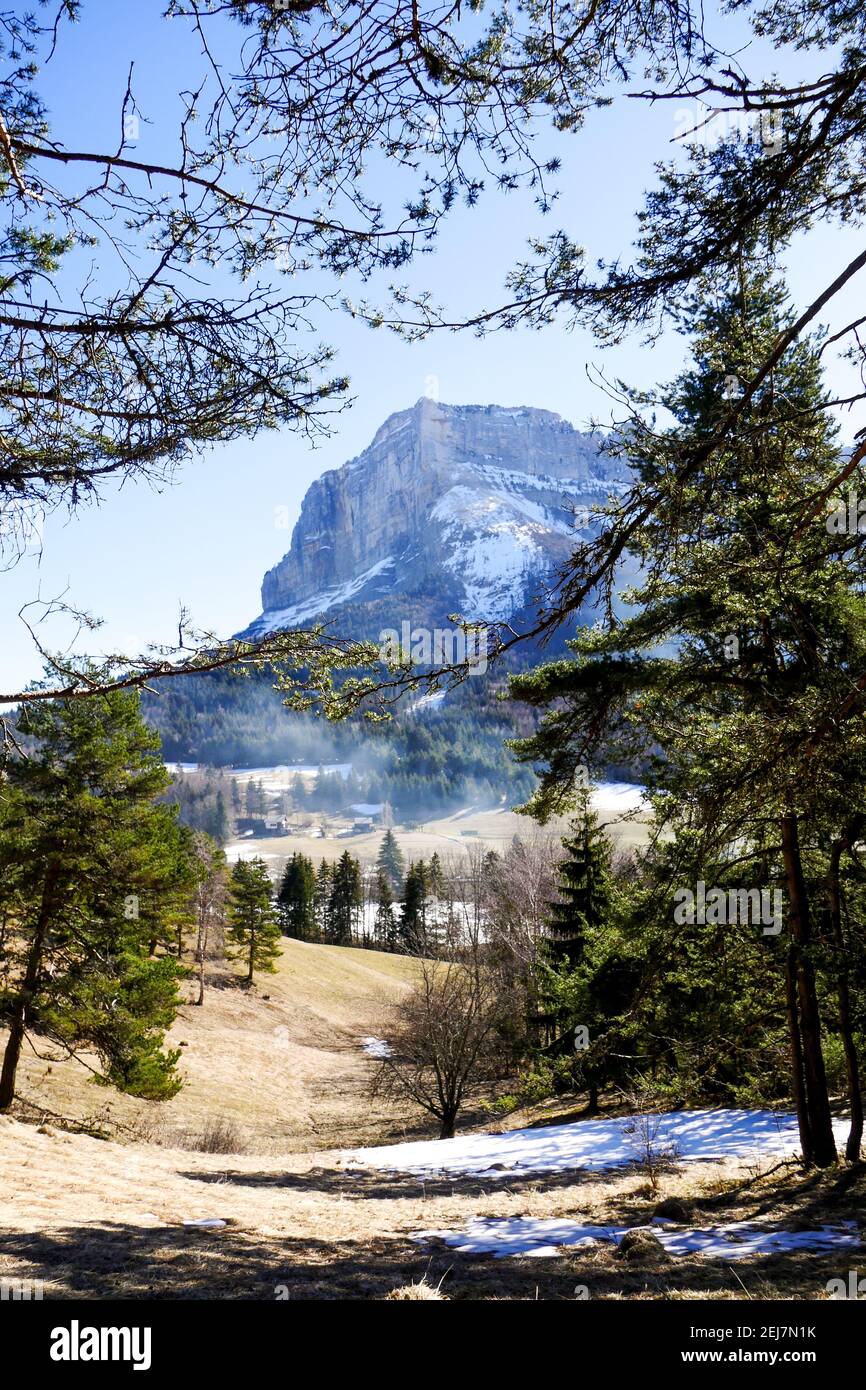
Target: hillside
[(278, 1067)]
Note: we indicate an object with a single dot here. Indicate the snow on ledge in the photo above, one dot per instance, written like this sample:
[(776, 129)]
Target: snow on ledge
[(693, 1135), (739, 1240)]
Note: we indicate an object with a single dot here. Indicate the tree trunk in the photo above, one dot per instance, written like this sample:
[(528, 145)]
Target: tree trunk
[(852, 1067), (448, 1121), (200, 999), (201, 948), (22, 1006), (798, 1085), (592, 1108), (817, 1099)]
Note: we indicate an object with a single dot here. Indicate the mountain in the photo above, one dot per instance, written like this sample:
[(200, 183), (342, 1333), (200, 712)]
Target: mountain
[(451, 509)]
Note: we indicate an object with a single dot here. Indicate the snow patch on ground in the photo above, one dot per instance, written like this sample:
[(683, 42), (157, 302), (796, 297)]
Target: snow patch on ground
[(376, 1047), (694, 1135), (739, 1240), (247, 851)]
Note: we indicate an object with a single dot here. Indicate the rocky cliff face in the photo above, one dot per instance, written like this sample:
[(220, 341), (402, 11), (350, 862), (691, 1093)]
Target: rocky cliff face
[(470, 505)]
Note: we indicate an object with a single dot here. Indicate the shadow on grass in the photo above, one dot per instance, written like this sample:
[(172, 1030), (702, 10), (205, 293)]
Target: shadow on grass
[(365, 1184), (117, 1260)]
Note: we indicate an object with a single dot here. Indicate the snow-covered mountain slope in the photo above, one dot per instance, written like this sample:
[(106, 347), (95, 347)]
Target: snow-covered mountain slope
[(470, 507)]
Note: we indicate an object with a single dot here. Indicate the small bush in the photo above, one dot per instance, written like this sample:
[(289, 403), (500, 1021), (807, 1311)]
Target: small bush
[(219, 1136)]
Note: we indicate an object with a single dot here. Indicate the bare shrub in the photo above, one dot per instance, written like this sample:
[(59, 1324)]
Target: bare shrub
[(653, 1154), (219, 1136)]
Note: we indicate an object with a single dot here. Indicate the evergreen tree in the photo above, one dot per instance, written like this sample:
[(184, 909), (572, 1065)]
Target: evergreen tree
[(219, 830), (584, 886), (347, 897), (91, 869), (738, 663), (413, 910), (386, 931), (253, 926), (322, 900), (436, 877), (390, 861), (296, 898)]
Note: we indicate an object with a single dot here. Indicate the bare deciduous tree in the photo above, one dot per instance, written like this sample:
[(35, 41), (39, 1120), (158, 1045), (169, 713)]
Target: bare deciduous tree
[(210, 904), (444, 1039)]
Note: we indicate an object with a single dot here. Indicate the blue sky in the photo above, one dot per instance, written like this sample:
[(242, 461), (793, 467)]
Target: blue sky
[(207, 541)]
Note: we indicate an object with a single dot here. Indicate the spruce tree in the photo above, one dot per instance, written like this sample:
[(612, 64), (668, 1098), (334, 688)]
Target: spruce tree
[(296, 898), (346, 900), (386, 932), (322, 900), (436, 877), (584, 886), (219, 829), (253, 926), (413, 910), (390, 861)]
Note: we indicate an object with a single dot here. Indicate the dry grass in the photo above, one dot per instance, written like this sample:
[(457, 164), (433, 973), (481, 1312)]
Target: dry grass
[(421, 1290), (279, 1066), (101, 1219), (281, 1082)]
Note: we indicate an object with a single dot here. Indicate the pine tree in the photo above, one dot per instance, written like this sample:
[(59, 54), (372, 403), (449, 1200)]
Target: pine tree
[(390, 861), (91, 869), (253, 925), (347, 897), (322, 900), (386, 931), (296, 898)]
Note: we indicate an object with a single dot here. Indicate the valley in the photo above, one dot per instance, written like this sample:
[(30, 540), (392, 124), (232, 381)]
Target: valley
[(618, 804)]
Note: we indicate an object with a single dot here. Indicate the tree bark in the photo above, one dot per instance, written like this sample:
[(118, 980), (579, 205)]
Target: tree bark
[(843, 994), (448, 1120), (23, 1004), (817, 1100), (798, 1085)]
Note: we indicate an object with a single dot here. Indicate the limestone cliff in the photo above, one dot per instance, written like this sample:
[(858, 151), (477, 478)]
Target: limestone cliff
[(470, 504)]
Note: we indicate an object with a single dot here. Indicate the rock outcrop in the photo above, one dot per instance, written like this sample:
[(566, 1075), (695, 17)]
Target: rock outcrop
[(469, 506)]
